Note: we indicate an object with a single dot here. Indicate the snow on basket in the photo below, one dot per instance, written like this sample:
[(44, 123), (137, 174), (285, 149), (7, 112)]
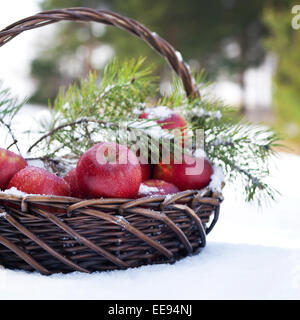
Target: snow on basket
[(52, 234)]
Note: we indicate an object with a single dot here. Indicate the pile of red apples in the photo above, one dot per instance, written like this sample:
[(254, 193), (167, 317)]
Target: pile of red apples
[(99, 174)]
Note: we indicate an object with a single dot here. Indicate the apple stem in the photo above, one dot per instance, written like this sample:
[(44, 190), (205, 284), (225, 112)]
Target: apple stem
[(12, 144)]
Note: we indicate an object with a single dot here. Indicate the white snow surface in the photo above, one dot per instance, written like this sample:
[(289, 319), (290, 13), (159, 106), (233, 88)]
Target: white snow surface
[(159, 112), (200, 153), (179, 56), (14, 192), (252, 253), (147, 190), (217, 179), (3, 214), (200, 112)]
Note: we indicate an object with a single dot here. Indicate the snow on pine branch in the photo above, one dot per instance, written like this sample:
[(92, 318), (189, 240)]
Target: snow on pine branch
[(90, 112)]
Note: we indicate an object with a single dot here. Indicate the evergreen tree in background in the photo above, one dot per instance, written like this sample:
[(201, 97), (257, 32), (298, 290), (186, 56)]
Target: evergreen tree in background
[(223, 36), (285, 42), (67, 55), (220, 35)]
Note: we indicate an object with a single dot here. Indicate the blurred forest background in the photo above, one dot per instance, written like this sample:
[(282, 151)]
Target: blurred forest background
[(249, 43)]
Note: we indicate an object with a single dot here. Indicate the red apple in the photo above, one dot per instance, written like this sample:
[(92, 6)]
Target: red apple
[(109, 170), (165, 115), (192, 174), (71, 179), (156, 187), (34, 180), (146, 171), (145, 166), (10, 164)]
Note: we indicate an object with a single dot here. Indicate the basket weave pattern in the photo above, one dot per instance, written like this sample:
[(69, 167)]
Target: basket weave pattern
[(61, 234)]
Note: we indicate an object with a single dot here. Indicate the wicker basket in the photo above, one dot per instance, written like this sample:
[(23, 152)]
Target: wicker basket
[(60, 234)]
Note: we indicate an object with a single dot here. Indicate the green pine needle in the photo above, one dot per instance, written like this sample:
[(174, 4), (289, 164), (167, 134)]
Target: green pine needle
[(91, 111), (9, 107)]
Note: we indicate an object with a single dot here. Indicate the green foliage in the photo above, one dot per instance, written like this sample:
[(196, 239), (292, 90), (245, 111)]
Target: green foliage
[(202, 30), (241, 149), (121, 87), (83, 111), (92, 112), (62, 48), (9, 107), (285, 42)]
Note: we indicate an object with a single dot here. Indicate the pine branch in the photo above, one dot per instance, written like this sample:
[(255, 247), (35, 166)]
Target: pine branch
[(91, 112), (63, 126), (15, 141), (9, 107), (242, 149)]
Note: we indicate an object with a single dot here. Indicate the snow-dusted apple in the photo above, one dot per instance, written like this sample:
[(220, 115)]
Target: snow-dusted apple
[(191, 174), (156, 187), (109, 170), (165, 116), (33, 180), (10, 164), (71, 179)]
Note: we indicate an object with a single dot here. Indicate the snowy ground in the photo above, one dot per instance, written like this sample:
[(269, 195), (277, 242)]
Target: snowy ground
[(251, 254)]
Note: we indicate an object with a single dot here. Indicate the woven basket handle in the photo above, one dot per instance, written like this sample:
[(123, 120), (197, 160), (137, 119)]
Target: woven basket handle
[(110, 18)]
